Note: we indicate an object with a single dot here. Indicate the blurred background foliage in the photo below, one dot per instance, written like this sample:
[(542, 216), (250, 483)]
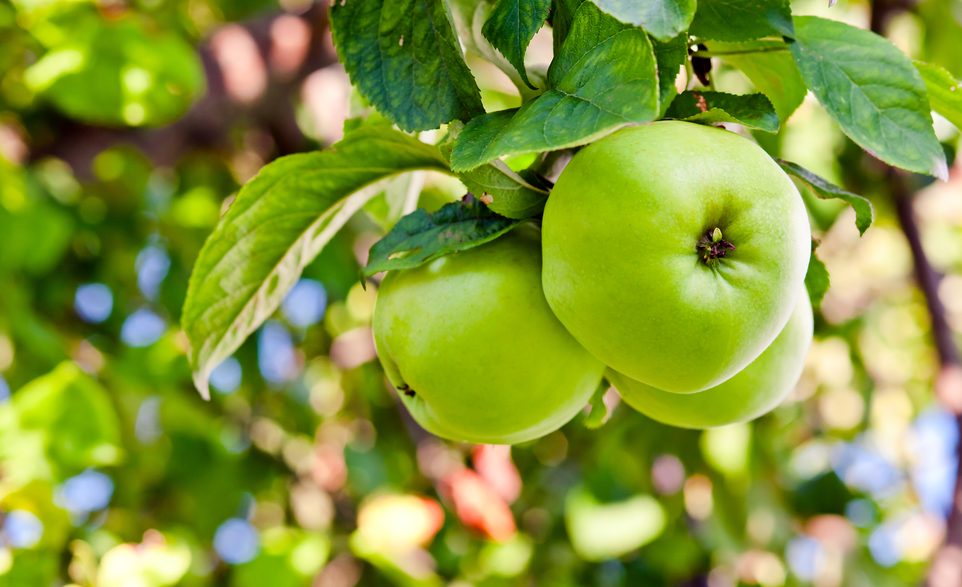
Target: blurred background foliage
[(125, 126)]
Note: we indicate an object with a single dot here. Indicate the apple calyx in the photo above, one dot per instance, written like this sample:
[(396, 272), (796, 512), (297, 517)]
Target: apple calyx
[(712, 246)]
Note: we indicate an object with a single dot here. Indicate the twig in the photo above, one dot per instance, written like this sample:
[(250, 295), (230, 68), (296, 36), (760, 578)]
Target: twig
[(706, 53), (552, 164)]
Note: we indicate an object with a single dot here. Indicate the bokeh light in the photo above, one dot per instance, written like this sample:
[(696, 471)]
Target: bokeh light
[(275, 353), (226, 378), (142, 328), (236, 541), (86, 492), (153, 263), (93, 302), (305, 304), (22, 529)]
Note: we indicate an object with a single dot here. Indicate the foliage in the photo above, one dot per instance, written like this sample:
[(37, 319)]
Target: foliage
[(302, 467)]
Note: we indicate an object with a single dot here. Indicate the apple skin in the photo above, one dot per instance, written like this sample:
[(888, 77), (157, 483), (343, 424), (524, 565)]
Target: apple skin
[(622, 269), (473, 349), (752, 392)]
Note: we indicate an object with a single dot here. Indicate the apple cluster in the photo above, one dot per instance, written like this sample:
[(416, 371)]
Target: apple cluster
[(671, 261)]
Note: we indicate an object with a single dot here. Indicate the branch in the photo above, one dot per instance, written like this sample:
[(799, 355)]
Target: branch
[(946, 567), (926, 276)]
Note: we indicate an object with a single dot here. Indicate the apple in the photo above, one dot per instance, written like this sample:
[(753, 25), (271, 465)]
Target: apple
[(473, 349), (674, 252), (752, 392)]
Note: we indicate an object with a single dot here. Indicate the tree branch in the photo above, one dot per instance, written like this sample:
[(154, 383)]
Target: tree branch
[(946, 568)]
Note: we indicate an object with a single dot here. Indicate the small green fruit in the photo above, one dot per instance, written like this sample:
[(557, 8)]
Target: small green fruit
[(473, 349), (674, 252), (752, 392)]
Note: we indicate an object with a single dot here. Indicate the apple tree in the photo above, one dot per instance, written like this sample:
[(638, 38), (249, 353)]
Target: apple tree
[(697, 260)]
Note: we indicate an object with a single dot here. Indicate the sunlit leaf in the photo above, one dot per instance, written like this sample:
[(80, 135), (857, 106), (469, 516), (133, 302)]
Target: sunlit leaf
[(119, 72), (603, 78), (512, 25), (279, 222), (600, 531), (872, 90), (945, 92), (663, 19)]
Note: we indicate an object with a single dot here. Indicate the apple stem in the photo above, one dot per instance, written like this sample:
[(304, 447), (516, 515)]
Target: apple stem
[(712, 246)]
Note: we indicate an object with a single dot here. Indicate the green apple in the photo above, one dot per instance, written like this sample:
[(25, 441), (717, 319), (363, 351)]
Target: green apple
[(473, 349), (674, 252), (752, 392)]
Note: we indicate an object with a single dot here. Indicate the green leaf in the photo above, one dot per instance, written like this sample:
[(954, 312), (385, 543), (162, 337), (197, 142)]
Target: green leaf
[(404, 58), (420, 237), (751, 110), (669, 57), (604, 78), (274, 566), (774, 73), (21, 224), (119, 73), (824, 189), (279, 222), (598, 414), (512, 25), (562, 15), (399, 196), (871, 89), (663, 19), (56, 426), (601, 531), (817, 280), (945, 92), (742, 20), (505, 191)]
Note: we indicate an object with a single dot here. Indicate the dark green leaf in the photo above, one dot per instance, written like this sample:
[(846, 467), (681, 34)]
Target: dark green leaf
[(871, 89), (562, 15), (420, 237), (603, 78), (751, 110), (945, 92), (663, 19), (504, 190), (119, 73), (669, 56), (774, 73), (512, 25), (279, 222), (405, 59), (817, 280), (742, 20), (825, 190)]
